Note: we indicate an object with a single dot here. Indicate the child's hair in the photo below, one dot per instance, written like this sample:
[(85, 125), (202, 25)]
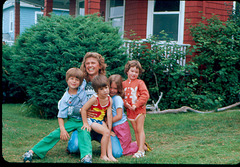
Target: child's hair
[(133, 63), (100, 60), (74, 72), (99, 81), (117, 79)]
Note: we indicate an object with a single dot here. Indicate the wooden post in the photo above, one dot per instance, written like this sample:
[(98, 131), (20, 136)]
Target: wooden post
[(17, 19), (48, 7), (72, 8)]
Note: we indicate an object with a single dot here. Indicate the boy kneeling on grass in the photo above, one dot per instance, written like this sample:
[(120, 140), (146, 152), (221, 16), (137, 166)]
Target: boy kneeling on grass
[(74, 96)]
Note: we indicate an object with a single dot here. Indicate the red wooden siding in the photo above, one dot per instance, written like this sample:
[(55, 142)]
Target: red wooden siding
[(93, 6), (207, 8), (135, 18)]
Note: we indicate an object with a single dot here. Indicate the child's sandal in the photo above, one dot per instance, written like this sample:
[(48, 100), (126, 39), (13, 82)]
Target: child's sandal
[(148, 147), (139, 154)]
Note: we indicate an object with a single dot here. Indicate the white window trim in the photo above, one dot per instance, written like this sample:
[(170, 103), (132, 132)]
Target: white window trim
[(180, 25), (36, 13), (107, 14), (11, 21)]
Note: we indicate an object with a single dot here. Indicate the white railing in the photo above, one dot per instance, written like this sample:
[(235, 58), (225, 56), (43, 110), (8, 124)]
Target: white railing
[(167, 47)]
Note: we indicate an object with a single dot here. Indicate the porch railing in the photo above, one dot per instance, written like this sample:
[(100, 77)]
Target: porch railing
[(168, 48)]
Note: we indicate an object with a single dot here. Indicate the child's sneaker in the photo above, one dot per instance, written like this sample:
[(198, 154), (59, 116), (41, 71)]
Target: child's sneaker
[(27, 156), (87, 159)]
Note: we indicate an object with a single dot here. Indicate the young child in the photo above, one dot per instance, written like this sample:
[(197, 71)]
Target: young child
[(136, 97), (74, 96), (102, 105), (120, 125)]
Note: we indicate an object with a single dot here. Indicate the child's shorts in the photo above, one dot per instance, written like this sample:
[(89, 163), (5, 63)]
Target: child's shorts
[(91, 120)]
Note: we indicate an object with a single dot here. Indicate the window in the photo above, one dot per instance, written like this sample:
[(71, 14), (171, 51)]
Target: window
[(167, 16), (81, 8), (38, 15), (115, 13), (11, 21)]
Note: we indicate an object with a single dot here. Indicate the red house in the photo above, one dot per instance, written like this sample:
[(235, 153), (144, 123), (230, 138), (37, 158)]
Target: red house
[(145, 17)]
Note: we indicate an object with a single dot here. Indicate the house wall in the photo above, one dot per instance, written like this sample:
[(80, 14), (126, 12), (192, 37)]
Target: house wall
[(6, 20), (206, 8), (27, 18), (135, 18)]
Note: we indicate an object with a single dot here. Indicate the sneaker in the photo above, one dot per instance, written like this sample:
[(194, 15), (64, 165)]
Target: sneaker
[(27, 157), (87, 159)]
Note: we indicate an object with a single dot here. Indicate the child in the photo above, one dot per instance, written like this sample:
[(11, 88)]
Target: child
[(74, 96), (136, 97), (102, 105), (120, 125)]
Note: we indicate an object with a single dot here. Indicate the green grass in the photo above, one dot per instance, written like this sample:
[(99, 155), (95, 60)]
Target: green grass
[(184, 138)]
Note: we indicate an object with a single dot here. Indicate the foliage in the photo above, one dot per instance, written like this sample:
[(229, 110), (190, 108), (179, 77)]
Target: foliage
[(210, 81), (218, 46), (48, 49), (163, 71), (11, 92)]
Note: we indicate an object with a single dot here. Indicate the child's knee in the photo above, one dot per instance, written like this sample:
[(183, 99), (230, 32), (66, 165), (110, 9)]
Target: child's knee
[(106, 133)]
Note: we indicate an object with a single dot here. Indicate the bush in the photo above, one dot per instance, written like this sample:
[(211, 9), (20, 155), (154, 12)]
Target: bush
[(48, 49), (210, 81), (219, 59), (11, 92), (163, 73)]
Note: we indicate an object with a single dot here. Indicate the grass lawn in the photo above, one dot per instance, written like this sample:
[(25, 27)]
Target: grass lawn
[(184, 138)]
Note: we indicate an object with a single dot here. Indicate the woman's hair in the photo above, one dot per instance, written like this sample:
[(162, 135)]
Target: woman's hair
[(133, 63), (100, 60), (74, 72), (117, 79), (99, 81)]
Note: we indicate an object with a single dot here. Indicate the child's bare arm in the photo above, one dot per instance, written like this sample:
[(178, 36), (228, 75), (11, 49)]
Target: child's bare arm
[(109, 115), (63, 133), (85, 107), (118, 116)]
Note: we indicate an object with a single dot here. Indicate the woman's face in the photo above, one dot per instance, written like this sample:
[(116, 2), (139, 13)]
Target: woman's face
[(113, 89), (92, 66)]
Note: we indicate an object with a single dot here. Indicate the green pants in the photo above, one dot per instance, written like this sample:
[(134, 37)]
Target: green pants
[(48, 142)]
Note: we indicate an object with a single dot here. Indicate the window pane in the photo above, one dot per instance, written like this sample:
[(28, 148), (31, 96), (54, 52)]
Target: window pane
[(168, 23), (162, 6), (117, 22), (81, 4), (39, 17), (116, 11), (81, 8), (115, 3)]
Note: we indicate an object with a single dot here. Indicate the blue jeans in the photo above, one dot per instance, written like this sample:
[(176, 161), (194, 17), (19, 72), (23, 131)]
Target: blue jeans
[(73, 143)]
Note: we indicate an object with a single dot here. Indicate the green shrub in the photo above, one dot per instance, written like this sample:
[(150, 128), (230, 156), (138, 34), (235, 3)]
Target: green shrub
[(11, 92), (48, 49), (163, 73), (210, 81), (219, 59)]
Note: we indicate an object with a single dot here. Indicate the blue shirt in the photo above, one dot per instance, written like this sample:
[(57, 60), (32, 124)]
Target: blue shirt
[(118, 103), (68, 102)]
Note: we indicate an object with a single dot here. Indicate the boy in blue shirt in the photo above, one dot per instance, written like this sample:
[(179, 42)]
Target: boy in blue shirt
[(73, 98)]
